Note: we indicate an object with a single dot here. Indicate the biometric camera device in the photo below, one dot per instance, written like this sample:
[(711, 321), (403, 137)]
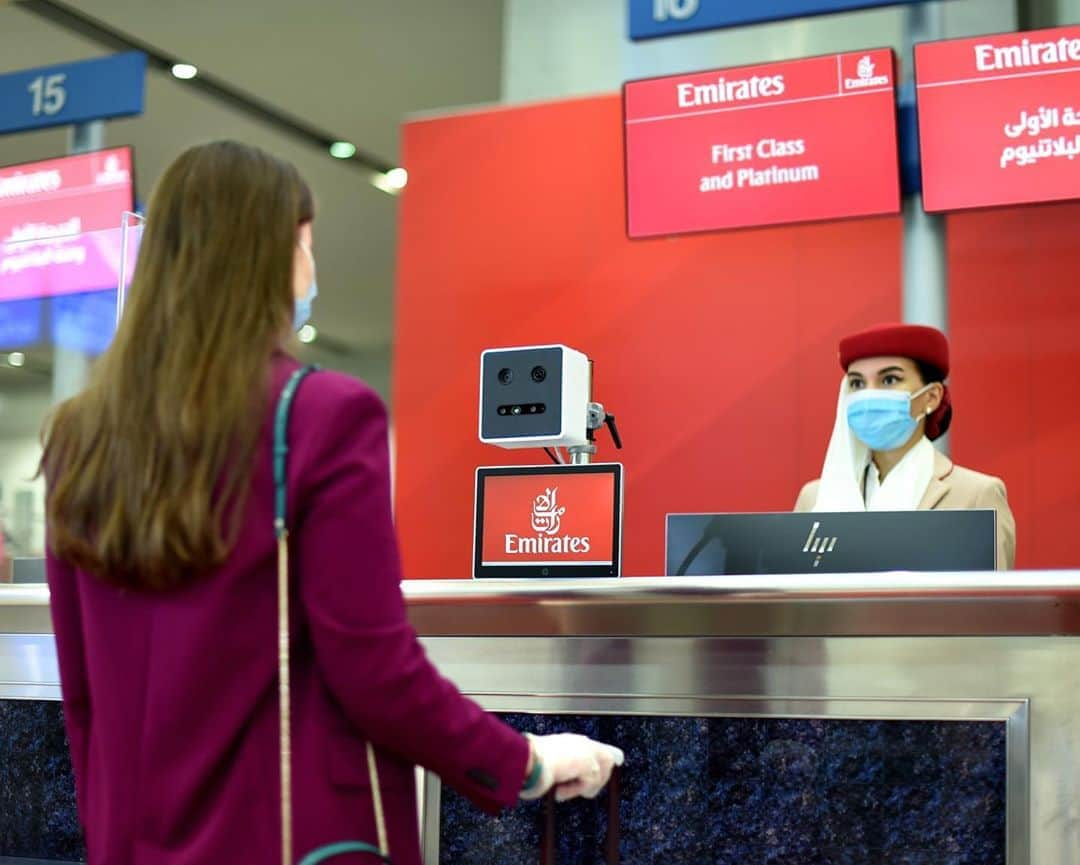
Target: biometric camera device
[(535, 396)]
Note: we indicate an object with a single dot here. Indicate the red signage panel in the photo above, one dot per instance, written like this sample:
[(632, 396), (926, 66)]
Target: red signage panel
[(999, 119), (60, 224), (760, 145)]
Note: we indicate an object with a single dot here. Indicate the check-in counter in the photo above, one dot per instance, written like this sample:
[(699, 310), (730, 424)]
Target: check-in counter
[(855, 718)]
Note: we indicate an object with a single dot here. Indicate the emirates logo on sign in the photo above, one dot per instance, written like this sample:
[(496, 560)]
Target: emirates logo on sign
[(546, 513), (865, 70), (113, 173)]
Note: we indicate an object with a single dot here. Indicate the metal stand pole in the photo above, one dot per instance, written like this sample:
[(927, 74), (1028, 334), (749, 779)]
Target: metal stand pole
[(581, 455), (86, 137)]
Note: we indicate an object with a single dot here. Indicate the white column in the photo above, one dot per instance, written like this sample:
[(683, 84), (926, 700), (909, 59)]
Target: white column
[(925, 280)]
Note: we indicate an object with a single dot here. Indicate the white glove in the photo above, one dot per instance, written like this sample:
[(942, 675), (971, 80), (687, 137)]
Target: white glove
[(574, 765)]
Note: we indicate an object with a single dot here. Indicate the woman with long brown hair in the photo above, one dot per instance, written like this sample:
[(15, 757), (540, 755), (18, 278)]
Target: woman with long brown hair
[(162, 556)]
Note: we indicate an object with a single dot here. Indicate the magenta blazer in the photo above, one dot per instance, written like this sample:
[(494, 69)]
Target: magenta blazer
[(170, 700)]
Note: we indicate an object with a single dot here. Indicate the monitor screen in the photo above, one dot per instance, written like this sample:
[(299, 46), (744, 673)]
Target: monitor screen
[(548, 521), (855, 542), (60, 224)]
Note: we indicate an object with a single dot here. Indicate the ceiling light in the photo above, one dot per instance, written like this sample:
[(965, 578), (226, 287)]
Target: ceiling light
[(16, 358), (390, 182), (307, 333), (343, 150), (184, 71)]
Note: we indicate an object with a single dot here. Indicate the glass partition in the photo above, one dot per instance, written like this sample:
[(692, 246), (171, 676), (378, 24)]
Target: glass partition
[(59, 303)]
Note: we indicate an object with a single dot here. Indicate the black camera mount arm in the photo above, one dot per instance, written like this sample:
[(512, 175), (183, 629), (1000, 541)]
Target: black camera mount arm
[(596, 418)]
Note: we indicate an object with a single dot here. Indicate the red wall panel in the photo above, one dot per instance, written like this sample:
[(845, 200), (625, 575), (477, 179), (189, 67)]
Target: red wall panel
[(1014, 278), (717, 352)]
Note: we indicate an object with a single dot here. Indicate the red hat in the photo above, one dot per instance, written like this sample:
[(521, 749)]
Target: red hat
[(918, 342)]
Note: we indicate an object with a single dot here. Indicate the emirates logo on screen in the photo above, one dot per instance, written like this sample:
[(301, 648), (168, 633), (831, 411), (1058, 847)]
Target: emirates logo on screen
[(546, 522), (865, 70), (546, 513), (112, 174)]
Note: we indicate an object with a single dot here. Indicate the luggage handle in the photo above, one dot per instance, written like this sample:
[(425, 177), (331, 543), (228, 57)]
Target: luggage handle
[(548, 846)]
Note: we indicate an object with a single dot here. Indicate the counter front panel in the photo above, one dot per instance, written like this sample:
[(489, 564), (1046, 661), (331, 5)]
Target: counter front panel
[(37, 790), (888, 718), (744, 791)]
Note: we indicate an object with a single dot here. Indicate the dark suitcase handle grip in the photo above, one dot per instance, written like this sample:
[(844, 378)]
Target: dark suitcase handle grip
[(548, 845)]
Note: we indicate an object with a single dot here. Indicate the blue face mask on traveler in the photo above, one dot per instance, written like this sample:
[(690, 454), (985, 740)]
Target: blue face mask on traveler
[(302, 305), (881, 419)]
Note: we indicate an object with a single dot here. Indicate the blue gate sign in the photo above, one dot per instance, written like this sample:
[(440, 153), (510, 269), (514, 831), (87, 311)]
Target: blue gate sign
[(652, 18), (73, 92)]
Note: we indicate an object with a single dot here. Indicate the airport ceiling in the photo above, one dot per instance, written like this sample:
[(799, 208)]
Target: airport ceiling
[(355, 68)]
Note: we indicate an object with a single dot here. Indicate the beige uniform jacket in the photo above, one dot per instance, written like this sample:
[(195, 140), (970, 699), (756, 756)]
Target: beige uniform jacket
[(955, 487)]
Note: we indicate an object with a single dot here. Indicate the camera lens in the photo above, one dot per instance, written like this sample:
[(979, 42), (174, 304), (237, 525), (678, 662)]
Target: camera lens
[(538, 373), (515, 410), (506, 375)]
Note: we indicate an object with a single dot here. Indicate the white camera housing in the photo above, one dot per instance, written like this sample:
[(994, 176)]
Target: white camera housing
[(534, 396)]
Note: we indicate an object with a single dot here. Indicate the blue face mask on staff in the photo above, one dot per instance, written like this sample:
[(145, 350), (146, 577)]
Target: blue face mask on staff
[(302, 305), (881, 419)]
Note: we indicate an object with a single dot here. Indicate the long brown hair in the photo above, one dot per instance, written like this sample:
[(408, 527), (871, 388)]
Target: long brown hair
[(148, 468)]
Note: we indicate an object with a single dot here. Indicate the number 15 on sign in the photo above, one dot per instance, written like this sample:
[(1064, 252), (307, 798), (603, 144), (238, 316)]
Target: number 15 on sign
[(71, 93), (49, 94)]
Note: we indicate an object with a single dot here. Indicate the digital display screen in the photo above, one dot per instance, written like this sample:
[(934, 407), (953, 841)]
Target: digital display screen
[(999, 119), (60, 224), (798, 141), (535, 518)]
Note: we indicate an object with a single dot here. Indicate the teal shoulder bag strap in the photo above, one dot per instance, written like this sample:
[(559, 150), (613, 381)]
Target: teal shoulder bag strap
[(328, 851)]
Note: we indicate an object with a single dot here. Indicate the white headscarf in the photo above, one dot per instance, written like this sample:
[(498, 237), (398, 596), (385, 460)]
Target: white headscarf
[(846, 462)]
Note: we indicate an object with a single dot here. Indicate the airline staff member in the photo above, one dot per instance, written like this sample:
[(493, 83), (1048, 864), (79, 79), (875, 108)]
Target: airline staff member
[(893, 403), (162, 565)]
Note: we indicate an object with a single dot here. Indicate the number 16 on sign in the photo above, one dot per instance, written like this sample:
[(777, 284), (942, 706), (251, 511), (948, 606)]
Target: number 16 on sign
[(680, 10)]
